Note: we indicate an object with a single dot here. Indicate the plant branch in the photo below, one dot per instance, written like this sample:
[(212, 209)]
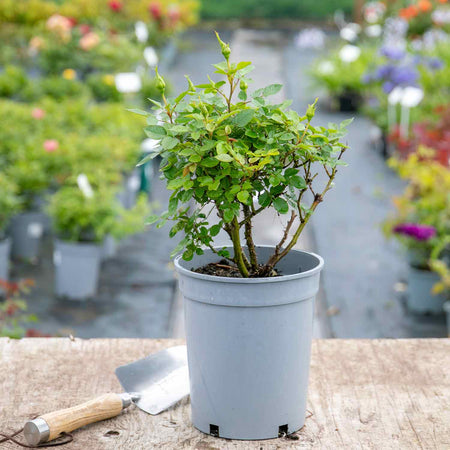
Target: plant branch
[(249, 238)]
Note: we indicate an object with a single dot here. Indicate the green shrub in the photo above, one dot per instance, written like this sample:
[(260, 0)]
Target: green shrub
[(269, 9), (12, 80), (227, 153), (79, 218), (9, 202)]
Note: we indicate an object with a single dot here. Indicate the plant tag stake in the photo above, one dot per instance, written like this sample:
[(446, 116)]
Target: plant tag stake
[(35, 230), (84, 185)]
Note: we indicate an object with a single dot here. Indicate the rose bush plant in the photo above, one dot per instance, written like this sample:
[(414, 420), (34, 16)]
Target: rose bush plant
[(235, 155)]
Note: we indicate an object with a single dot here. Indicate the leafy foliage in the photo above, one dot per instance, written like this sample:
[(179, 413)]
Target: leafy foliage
[(13, 315), (9, 201), (82, 219), (239, 156), (425, 201)]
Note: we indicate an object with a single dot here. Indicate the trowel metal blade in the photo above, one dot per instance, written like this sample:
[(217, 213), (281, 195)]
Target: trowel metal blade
[(160, 380)]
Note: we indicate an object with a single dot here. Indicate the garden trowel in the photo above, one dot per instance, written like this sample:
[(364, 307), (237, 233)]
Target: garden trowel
[(154, 384)]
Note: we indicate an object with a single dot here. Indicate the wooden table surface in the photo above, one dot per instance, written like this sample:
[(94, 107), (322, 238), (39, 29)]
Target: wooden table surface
[(363, 394)]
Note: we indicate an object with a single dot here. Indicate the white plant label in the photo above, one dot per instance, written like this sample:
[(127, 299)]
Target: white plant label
[(57, 258), (35, 230), (84, 185), (134, 183)]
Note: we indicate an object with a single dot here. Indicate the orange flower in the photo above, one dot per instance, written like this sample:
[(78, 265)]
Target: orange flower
[(409, 13), (425, 5)]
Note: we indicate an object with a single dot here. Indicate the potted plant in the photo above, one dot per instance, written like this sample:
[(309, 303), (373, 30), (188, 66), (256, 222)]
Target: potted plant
[(341, 73), (421, 222), (81, 220), (9, 205), (227, 156), (27, 227)]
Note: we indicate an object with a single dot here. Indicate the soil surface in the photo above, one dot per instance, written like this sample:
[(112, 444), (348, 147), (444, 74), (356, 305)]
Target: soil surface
[(224, 268)]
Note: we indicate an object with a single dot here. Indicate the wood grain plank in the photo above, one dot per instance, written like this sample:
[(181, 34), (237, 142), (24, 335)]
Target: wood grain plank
[(363, 394)]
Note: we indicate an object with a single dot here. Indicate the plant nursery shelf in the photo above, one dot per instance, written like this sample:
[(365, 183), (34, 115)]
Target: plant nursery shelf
[(380, 394)]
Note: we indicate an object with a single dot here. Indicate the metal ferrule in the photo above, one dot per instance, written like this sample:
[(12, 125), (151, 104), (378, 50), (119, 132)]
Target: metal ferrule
[(36, 431)]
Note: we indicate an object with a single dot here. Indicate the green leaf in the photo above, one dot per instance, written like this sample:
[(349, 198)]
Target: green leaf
[(169, 142), (244, 117), (152, 219), (209, 162), (272, 89), (243, 196), (264, 199), (222, 148), (224, 158), (280, 205), (141, 112), (228, 215), (298, 182), (147, 158), (346, 123), (156, 130), (175, 184), (215, 229), (242, 95), (243, 64)]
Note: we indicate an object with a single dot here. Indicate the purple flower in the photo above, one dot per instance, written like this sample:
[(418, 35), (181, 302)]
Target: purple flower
[(395, 53), (435, 63), (388, 86), (384, 72), (404, 75), (416, 231)]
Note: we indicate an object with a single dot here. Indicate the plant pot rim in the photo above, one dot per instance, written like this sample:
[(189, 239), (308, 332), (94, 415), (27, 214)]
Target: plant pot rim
[(308, 273)]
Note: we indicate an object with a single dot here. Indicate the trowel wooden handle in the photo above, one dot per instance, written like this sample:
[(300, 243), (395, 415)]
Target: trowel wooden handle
[(50, 426)]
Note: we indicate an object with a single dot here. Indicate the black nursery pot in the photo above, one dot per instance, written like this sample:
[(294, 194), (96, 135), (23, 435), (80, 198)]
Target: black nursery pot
[(349, 101)]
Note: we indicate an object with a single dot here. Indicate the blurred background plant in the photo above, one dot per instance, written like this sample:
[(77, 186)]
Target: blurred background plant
[(14, 319)]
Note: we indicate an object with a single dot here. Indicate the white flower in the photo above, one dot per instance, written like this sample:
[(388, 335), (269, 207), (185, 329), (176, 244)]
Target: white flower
[(350, 32), (373, 31), (395, 95), (310, 38), (349, 53), (150, 56), (325, 67), (374, 11), (412, 96), (141, 31), (128, 82)]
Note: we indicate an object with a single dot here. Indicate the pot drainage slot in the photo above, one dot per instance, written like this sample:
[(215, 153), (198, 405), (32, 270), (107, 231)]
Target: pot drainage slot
[(213, 430), (283, 430)]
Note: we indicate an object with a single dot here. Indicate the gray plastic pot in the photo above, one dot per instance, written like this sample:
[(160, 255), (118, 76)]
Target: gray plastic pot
[(76, 269), (420, 299), (5, 249), (249, 343), (26, 231), (109, 247)]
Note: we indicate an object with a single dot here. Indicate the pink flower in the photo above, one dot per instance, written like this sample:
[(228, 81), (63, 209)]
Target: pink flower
[(416, 231), (84, 29), (89, 41), (155, 10), (174, 14), (115, 5), (38, 113), (50, 145)]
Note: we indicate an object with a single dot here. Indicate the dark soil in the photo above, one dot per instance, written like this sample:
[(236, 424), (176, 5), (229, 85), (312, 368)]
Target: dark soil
[(224, 268)]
